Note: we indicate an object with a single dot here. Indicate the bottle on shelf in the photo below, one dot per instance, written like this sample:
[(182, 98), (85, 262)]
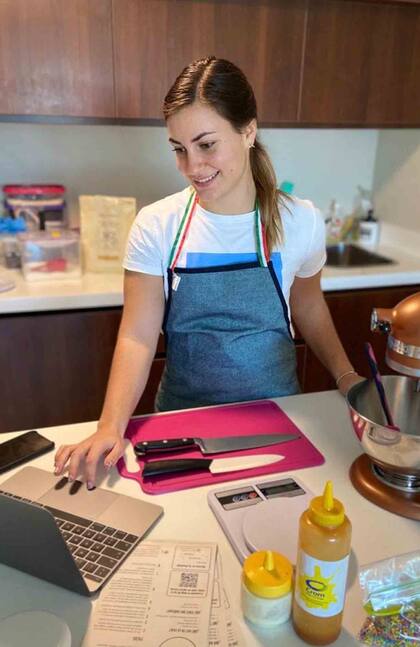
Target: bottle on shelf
[(321, 570)]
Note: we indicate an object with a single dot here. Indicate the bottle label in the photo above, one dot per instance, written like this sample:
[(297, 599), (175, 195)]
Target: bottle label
[(321, 586)]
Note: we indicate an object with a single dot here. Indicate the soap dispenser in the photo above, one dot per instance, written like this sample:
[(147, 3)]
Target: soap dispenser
[(369, 230)]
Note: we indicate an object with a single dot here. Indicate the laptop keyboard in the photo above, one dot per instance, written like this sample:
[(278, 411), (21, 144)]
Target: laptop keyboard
[(97, 549)]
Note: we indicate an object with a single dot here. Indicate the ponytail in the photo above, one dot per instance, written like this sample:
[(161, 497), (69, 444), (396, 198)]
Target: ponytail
[(270, 198)]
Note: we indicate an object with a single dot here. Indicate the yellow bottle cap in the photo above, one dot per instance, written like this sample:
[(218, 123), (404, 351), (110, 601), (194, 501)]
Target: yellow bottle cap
[(325, 510), (267, 574)]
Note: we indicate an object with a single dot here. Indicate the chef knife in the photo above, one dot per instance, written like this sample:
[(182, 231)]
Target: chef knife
[(212, 445), (215, 465)]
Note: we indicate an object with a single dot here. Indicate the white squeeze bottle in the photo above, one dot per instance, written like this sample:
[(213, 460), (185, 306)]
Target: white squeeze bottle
[(321, 570)]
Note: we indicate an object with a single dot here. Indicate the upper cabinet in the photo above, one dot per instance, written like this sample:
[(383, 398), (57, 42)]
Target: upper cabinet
[(362, 64), (56, 58), (311, 62), (155, 39)]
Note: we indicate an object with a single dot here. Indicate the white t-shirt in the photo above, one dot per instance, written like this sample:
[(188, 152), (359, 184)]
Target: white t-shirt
[(215, 239)]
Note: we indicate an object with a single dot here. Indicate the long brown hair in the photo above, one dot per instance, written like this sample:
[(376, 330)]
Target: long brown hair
[(223, 86)]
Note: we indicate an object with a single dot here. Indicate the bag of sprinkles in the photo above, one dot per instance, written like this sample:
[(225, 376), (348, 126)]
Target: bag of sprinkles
[(391, 598)]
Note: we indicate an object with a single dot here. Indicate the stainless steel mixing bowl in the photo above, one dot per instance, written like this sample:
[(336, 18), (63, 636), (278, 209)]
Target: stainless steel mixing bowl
[(398, 453)]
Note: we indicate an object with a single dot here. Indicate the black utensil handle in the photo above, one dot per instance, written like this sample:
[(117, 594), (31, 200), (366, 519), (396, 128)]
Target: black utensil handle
[(161, 468), (161, 446)]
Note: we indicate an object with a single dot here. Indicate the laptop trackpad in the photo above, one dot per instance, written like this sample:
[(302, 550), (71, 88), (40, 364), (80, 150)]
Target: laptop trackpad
[(78, 500)]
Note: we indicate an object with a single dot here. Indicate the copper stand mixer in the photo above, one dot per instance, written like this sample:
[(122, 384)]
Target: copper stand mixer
[(388, 474)]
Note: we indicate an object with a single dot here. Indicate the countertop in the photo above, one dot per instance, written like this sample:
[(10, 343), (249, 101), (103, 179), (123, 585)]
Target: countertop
[(105, 290), (323, 417)]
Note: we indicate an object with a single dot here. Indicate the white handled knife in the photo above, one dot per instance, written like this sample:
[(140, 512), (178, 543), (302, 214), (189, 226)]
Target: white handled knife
[(215, 466)]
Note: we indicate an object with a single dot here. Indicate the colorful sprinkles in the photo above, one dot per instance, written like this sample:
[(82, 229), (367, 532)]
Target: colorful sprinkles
[(399, 630)]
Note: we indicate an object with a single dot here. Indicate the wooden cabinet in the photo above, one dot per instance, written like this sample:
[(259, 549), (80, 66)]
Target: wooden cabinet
[(361, 64), (351, 311), (55, 367), (155, 39), (311, 62), (56, 58)]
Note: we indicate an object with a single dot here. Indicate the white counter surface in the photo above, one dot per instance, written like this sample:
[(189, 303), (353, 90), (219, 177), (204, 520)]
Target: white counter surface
[(105, 290), (323, 417), (91, 291)]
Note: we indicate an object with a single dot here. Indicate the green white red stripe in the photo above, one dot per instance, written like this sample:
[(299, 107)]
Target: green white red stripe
[(181, 235), (182, 230), (262, 250)]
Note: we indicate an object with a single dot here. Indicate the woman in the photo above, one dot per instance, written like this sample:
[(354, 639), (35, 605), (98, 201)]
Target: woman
[(218, 264)]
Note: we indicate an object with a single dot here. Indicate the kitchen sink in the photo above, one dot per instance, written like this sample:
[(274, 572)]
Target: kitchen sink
[(348, 255)]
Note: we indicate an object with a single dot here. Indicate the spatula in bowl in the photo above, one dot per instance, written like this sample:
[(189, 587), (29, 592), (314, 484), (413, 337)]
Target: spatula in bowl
[(373, 365)]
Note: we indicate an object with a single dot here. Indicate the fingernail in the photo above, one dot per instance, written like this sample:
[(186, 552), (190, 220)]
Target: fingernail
[(108, 465), (90, 485), (56, 469)]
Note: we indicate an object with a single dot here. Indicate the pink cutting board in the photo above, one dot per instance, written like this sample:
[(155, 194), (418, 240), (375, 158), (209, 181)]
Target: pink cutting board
[(250, 418)]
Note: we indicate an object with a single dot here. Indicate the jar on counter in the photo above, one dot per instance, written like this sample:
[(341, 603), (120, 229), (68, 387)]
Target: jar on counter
[(266, 591), (9, 246)]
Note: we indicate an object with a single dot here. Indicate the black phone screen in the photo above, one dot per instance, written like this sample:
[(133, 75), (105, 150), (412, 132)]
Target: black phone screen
[(23, 448)]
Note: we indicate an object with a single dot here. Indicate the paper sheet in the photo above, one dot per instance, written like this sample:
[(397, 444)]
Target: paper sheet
[(161, 595), (223, 632)]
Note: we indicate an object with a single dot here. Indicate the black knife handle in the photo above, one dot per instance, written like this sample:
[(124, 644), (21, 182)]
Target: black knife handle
[(162, 446), (161, 468)]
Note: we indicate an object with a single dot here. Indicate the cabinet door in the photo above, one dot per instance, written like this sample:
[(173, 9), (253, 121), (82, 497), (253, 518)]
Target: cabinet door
[(361, 64), (351, 313), (56, 58), (155, 39), (55, 366)]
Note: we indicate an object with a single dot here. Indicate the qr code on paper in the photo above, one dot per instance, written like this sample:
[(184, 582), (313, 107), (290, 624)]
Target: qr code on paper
[(189, 580), (188, 584)]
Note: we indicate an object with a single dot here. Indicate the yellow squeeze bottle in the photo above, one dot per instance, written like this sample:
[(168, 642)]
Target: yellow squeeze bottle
[(321, 570)]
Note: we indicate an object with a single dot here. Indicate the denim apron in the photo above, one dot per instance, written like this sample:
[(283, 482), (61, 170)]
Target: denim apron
[(227, 330)]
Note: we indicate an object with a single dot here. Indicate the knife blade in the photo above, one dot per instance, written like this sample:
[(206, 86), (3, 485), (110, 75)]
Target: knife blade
[(215, 465), (212, 445)]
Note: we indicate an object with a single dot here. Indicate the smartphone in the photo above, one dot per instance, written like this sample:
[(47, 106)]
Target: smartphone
[(23, 448)]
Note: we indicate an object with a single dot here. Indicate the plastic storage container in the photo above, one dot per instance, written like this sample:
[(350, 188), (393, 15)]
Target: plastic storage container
[(9, 246), (266, 593), (50, 255), (321, 570), (41, 205)]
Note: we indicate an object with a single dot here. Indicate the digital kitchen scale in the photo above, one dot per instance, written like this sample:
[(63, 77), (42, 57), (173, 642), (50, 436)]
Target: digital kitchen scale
[(262, 515)]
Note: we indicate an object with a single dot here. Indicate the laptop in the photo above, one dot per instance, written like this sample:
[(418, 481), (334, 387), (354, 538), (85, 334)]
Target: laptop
[(65, 534)]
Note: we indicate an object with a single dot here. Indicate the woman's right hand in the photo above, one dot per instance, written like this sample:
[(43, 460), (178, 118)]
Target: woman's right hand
[(103, 443)]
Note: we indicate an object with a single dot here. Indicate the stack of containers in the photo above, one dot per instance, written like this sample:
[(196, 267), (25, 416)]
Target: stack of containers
[(40, 205), (47, 250)]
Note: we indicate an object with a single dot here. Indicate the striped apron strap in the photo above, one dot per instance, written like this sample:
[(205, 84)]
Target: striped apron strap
[(262, 248), (181, 235)]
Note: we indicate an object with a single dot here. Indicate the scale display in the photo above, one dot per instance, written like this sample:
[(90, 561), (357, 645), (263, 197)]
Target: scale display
[(261, 515)]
